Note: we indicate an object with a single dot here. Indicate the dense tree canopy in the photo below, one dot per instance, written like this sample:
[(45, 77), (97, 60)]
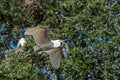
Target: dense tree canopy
[(90, 27)]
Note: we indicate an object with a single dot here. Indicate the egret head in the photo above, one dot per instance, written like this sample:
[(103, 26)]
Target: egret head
[(57, 43)]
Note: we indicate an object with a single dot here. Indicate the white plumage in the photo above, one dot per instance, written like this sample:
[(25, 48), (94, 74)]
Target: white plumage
[(20, 45), (56, 43), (21, 42)]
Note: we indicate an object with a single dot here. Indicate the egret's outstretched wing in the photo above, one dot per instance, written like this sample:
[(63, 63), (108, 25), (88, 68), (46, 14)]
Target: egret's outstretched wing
[(30, 31), (55, 55), (39, 34)]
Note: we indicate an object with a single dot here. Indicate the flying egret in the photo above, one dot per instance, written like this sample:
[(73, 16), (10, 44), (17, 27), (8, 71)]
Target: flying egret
[(47, 45)]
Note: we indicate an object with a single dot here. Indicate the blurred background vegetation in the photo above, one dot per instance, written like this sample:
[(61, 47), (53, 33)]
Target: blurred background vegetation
[(90, 27)]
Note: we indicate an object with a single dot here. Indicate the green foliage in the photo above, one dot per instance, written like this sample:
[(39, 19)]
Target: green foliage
[(92, 28), (17, 66)]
